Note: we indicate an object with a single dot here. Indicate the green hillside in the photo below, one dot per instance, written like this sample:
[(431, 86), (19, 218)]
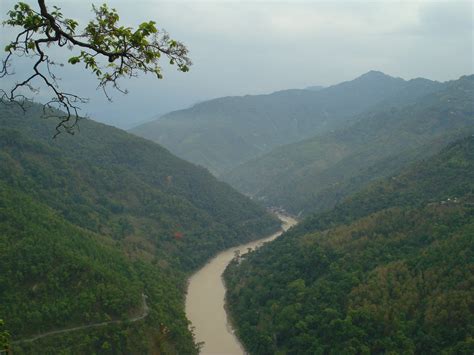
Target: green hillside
[(313, 175), (222, 133), (389, 270), (91, 222)]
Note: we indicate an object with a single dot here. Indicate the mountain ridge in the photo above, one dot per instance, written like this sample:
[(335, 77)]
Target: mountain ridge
[(224, 132), (338, 156)]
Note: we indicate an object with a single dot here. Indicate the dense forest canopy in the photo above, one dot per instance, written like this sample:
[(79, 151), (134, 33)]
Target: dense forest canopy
[(91, 222), (314, 174), (100, 231), (388, 270)]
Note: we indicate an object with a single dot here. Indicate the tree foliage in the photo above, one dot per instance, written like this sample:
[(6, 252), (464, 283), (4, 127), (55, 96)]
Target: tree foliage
[(106, 48), (87, 225), (387, 271), (377, 144), (4, 336)]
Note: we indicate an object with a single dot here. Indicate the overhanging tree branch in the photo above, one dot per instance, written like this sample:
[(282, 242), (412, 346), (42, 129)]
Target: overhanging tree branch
[(125, 52)]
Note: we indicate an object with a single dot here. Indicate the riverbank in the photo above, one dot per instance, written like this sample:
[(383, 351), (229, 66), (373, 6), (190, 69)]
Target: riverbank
[(205, 301)]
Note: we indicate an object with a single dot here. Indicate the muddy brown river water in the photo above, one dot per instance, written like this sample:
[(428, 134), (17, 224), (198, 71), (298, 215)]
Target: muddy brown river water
[(205, 300)]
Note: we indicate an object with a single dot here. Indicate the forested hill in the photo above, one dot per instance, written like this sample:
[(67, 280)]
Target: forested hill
[(389, 270), (222, 133), (313, 175), (90, 222)]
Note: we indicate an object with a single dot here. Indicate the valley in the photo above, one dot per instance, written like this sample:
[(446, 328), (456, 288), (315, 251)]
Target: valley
[(92, 223), (379, 143), (301, 182), (223, 133), (205, 299)]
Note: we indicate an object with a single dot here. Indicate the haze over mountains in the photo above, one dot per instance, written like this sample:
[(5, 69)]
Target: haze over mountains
[(105, 233), (305, 150), (380, 169), (314, 174), (383, 260), (223, 133)]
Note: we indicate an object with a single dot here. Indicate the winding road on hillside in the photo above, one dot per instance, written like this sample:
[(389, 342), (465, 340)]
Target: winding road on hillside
[(143, 315), (205, 303), (205, 300)]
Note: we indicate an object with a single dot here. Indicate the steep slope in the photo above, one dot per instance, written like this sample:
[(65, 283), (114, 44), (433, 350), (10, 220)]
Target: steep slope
[(388, 270), (222, 133), (91, 222), (57, 275), (314, 174)]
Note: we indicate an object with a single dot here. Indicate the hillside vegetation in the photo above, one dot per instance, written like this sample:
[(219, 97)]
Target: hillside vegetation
[(314, 174), (389, 270), (91, 222), (223, 133)]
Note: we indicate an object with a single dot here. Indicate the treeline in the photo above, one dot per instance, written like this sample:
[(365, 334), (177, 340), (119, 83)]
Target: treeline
[(389, 270)]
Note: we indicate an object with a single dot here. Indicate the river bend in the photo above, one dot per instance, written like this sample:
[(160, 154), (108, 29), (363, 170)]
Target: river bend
[(205, 300)]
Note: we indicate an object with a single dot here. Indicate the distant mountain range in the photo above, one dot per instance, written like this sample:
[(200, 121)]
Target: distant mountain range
[(222, 133), (314, 174), (105, 227), (314, 87)]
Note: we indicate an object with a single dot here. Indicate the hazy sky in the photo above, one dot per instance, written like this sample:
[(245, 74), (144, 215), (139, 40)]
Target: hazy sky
[(254, 47)]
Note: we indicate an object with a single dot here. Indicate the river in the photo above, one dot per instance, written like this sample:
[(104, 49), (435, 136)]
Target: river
[(205, 300)]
